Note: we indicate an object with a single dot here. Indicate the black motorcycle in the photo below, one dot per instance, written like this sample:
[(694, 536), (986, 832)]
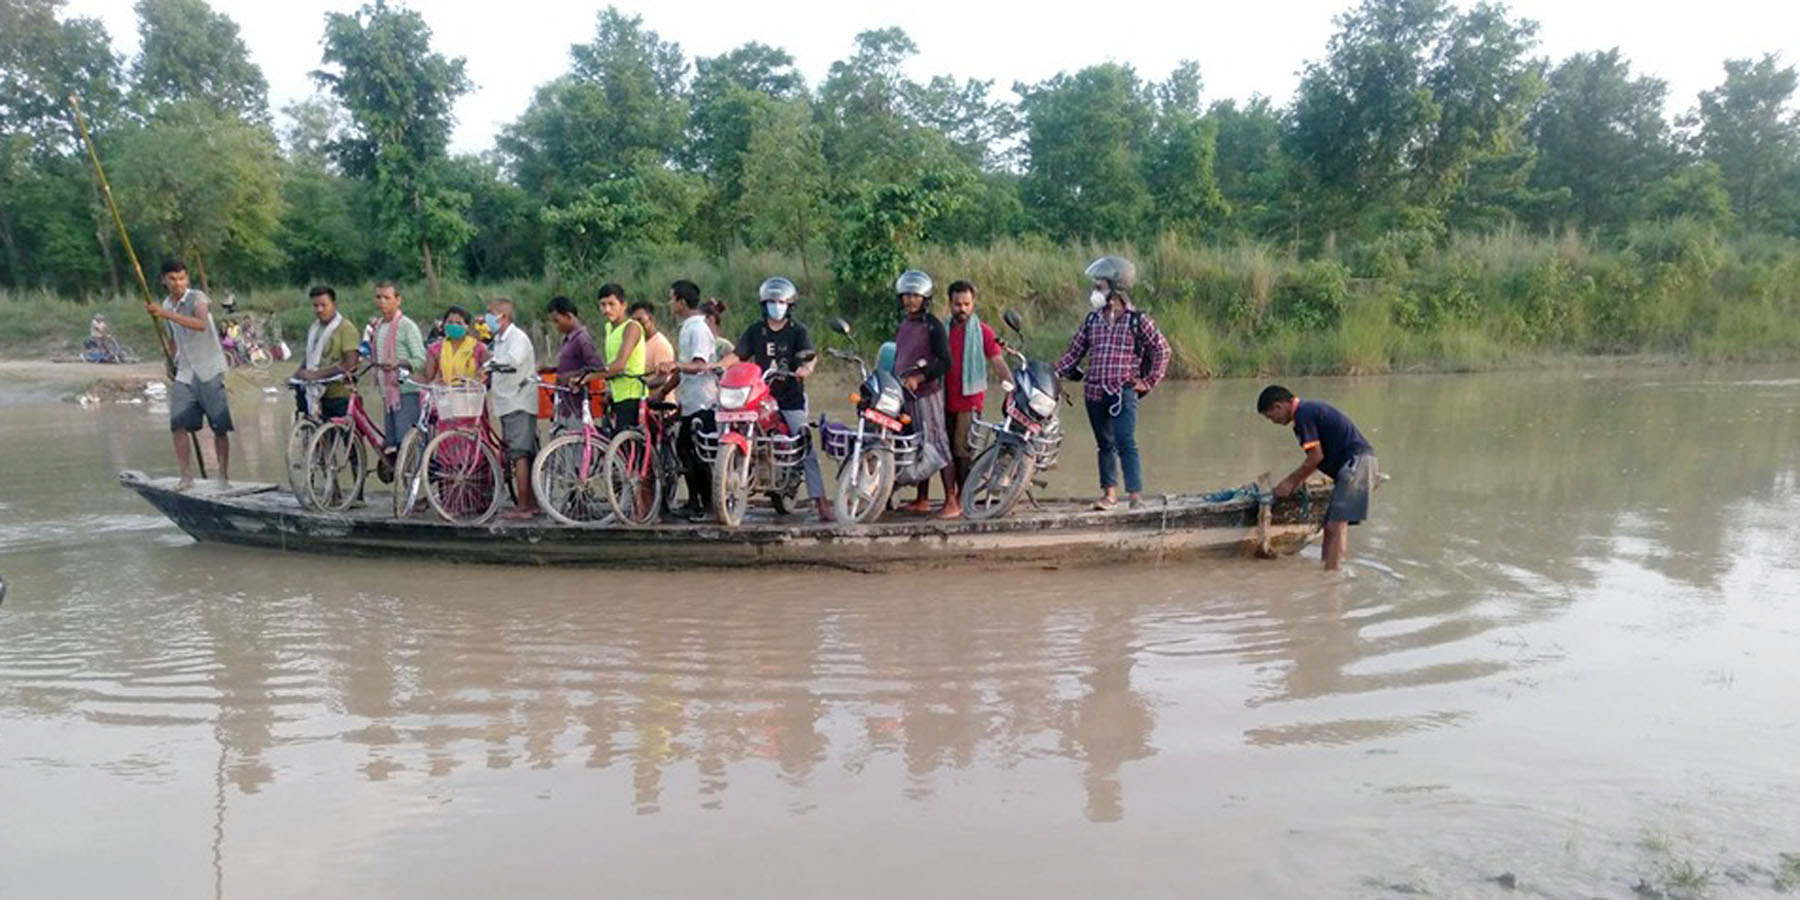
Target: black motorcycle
[(881, 444), (1027, 440)]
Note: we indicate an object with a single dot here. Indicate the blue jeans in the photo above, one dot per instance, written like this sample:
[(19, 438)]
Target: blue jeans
[(1116, 436)]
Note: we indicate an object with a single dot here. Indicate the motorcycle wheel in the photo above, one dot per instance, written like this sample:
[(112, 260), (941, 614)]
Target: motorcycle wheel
[(731, 484), (996, 481), (864, 486)]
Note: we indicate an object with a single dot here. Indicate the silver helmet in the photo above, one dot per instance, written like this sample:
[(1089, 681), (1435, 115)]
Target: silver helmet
[(1116, 270), (777, 290), (913, 281)]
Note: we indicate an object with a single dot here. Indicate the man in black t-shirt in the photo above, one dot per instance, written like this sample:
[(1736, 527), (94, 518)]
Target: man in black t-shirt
[(1334, 446), (778, 341)]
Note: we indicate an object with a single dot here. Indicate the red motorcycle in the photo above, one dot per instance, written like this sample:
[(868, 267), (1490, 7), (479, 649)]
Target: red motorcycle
[(753, 452)]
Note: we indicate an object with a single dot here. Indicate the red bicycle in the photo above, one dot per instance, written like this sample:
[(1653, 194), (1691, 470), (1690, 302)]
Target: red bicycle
[(642, 468), (461, 470), (336, 461), (567, 473)]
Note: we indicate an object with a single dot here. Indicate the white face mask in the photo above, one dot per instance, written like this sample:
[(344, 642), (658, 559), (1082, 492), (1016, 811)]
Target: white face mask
[(1097, 299), (775, 310)]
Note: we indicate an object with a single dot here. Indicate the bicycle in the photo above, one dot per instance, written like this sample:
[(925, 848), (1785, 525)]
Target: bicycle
[(460, 467), (642, 468), (409, 457), (299, 439), (335, 463), (567, 475)]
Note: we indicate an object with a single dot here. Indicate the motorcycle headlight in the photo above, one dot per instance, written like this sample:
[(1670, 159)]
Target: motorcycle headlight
[(733, 398), (889, 403), (1042, 404)]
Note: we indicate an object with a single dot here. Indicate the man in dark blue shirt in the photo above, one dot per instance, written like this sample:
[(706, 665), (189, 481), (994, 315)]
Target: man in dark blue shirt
[(1334, 446)]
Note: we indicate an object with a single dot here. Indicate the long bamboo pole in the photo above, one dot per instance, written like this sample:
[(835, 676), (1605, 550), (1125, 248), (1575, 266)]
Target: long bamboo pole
[(163, 338)]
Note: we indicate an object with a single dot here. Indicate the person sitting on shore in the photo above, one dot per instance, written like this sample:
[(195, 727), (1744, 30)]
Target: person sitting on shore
[(575, 361), (1334, 446), (622, 343), (458, 358)]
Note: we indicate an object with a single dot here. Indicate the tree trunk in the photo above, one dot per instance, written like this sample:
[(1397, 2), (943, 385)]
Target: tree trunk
[(431, 279), (15, 263), (200, 269)]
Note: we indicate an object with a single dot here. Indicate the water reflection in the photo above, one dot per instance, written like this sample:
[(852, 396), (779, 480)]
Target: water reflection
[(1517, 498)]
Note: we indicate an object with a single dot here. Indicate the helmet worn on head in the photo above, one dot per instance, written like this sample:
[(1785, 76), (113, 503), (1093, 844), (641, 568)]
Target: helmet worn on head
[(778, 290), (913, 281), (1117, 270)]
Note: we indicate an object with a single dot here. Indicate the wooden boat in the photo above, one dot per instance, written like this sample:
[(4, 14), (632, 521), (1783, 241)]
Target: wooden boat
[(1054, 533)]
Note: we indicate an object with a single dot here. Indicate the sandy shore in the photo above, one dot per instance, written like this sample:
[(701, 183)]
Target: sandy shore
[(78, 373)]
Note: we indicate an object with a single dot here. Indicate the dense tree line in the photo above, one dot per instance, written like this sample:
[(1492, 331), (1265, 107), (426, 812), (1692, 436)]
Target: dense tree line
[(1419, 121)]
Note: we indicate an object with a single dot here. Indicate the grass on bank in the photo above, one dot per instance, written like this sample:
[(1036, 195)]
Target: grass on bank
[(1673, 290)]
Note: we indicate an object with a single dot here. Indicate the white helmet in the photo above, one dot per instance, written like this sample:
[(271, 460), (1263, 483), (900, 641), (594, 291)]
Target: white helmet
[(913, 281), (777, 290)]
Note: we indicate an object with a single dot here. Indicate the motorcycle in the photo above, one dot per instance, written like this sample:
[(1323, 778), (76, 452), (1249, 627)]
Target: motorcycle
[(880, 445), (1027, 440), (753, 452)]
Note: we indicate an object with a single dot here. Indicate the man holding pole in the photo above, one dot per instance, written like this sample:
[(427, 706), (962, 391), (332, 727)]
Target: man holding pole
[(199, 389)]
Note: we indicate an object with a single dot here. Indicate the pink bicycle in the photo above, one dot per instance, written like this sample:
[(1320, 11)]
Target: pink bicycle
[(569, 475)]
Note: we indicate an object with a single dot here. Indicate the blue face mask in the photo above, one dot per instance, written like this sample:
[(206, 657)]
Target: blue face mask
[(493, 322), (455, 332)]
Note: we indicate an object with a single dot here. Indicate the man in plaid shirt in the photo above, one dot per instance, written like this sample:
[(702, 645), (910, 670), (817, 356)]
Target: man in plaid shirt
[(1127, 357)]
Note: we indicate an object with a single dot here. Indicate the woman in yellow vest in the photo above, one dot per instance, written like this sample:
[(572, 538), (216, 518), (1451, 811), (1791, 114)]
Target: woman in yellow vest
[(623, 348), (458, 358)]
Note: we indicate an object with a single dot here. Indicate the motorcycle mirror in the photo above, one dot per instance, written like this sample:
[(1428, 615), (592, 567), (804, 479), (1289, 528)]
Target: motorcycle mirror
[(1012, 320), (840, 326), (806, 356)]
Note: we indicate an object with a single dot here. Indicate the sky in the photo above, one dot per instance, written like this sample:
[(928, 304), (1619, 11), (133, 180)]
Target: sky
[(1243, 48)]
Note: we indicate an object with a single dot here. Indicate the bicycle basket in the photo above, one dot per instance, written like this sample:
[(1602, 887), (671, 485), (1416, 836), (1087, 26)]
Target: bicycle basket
[(462, 401)]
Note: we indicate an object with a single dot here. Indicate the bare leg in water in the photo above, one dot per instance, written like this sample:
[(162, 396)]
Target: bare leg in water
[(1337, 534)]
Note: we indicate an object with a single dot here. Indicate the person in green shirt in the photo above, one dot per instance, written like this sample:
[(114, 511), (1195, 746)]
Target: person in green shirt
[(623, 349), (331, 349)]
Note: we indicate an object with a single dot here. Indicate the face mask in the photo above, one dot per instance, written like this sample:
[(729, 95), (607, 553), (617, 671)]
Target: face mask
[(455, 332), (493, 321), (1097, 299), (775, 310)]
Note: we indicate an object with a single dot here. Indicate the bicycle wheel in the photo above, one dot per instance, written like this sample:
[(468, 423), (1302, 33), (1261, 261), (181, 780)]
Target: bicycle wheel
[(462, 478), (334, 467), (633, 479), (409, 486), (293, 459), (260, 356), (996, 481), (569, 479), (864, 485)]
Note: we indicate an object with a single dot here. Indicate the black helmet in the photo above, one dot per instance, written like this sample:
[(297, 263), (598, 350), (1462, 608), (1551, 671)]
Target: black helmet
[(1116, 270), (913, 281), (777, 290)]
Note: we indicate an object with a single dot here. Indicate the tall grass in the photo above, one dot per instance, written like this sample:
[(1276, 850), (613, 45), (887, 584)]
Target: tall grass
[(1401, 303)]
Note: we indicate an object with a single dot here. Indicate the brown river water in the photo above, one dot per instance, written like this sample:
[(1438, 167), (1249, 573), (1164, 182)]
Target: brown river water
[(1566, 657)]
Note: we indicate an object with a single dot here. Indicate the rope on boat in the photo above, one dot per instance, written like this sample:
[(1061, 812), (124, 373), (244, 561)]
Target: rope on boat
[(1254, 491)]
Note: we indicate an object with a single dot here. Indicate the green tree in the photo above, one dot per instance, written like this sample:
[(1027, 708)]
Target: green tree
[(203, 186), (1601, 140), (43, 61), (879, 228), (1252, 170), (1749, 129), (729, 93), (785, 180), (399, 95), (508, 241), (1084, 137), (1179, 166), (188, 52)]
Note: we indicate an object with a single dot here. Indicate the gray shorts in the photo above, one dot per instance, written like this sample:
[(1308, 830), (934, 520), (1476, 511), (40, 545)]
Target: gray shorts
[(518, 431), (189, 403), (1350, 492)]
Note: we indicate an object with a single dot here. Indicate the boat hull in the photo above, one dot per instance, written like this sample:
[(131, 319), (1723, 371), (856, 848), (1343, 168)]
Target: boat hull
[(1061, 533)]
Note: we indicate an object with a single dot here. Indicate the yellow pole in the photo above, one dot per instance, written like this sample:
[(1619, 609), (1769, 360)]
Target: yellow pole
[(162, 334)]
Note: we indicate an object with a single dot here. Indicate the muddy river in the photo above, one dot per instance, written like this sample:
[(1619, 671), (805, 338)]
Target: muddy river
[(1564, 662)]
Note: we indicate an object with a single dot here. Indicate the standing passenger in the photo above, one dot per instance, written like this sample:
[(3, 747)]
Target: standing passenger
[(622, 342), (1127, 358), (515, 399), (575, 361), (776, 339), (973, 348), (395, 341), (921, 357), (697, 390)]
